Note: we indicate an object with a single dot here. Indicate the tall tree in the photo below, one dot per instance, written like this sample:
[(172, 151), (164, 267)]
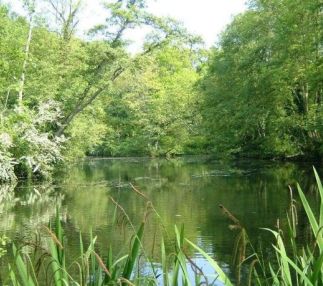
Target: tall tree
[(66, 12), (263, 87), (114, 59), (30, 6), (152, 109)]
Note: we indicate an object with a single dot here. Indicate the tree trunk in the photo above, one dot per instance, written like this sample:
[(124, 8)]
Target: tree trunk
[(83, 102), (24, 65), (305, 97)]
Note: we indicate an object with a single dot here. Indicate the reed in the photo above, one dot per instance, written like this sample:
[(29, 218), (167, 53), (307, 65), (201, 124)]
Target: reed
[(292, 265)]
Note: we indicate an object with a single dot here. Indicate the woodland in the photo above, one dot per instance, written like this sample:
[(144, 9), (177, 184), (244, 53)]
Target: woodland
[(256, 93)]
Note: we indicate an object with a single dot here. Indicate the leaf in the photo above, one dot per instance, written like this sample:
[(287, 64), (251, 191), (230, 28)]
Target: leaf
[(320, 188), (311, 218), (284, 263), (128, 268), (223, 277), (22, 269), (296, 268)]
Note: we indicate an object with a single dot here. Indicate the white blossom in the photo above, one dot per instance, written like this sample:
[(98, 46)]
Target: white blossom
[(5, 140)]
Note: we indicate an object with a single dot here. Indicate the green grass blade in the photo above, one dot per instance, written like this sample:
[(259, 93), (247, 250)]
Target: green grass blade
[(175, 274), (22, 269), (55, 264), (320, 187), (82, 265), (296, 268), (164, 263), (317, 270), (119, 260), (223, 277), (274, 276), (284, 263), (13, 278), (178, 237), (182, 262), (311, 218), (130, 263)]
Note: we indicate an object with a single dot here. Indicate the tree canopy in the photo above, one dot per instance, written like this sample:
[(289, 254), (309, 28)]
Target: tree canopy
[(263, 86), (258, 92)]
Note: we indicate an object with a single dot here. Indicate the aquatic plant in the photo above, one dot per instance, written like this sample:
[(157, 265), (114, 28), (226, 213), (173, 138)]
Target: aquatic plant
[(46, 262), (293, 265)]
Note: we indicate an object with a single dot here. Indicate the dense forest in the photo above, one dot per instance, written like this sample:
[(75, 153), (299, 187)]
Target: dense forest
[(257, 92), (263, 86)]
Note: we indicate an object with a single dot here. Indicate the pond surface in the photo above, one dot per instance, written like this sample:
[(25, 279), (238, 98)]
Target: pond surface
[(182, 191)]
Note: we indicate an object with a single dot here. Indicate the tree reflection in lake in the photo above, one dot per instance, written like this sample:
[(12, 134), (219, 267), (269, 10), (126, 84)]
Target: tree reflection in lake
[(25, 207), (183, 191)]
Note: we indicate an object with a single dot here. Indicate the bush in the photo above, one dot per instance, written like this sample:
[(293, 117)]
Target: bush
[(6, 161), (28, 146)]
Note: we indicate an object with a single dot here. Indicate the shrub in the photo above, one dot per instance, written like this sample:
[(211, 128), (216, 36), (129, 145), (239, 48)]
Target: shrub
[(28, 146)]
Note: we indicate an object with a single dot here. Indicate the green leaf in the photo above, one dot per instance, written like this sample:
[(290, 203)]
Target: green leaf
[(311, 218), (130, 263), (284, 263), (22, 269), (320, 187), (223, 277), (286, 259)]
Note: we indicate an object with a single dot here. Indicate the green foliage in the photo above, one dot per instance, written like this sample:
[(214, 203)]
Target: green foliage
[(153, 110), (303, 267), (91, 91), (7, 162), (28, 148), (291, 264), (262, 92), (90, 266), (222, 276), (4, 240), (111, 102), (259, 94)]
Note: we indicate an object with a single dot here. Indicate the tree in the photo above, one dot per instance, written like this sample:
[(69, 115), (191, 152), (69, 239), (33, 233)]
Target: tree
[(262, 89), (30, 5), (114, 60), (152, 110), (65, 13)]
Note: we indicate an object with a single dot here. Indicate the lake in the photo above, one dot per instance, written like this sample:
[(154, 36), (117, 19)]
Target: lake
[(99, 195)]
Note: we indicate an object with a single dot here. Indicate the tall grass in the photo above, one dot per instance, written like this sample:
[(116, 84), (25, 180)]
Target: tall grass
[(293, 265)]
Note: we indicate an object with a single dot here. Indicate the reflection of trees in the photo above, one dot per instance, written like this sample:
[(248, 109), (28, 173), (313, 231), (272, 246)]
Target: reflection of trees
[(24, 208), (187, 192), (7, 203), (87, 207)]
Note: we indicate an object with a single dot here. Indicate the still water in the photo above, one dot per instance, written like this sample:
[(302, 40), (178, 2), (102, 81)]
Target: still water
[(182, 191)]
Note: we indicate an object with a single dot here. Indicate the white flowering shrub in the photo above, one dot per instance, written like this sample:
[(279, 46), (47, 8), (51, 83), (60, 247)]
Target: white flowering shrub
[(5, 140), (47, 112), (28, 146), (6, 161), (44, 150), (6, 168)]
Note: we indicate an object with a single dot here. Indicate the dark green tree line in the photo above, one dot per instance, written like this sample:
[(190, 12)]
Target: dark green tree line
[(57, 90), (263, 87), (257, 93)]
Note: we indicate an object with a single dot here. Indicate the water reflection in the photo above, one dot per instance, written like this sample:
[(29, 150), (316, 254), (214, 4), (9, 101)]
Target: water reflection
[(23, 208), (183, 191)]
